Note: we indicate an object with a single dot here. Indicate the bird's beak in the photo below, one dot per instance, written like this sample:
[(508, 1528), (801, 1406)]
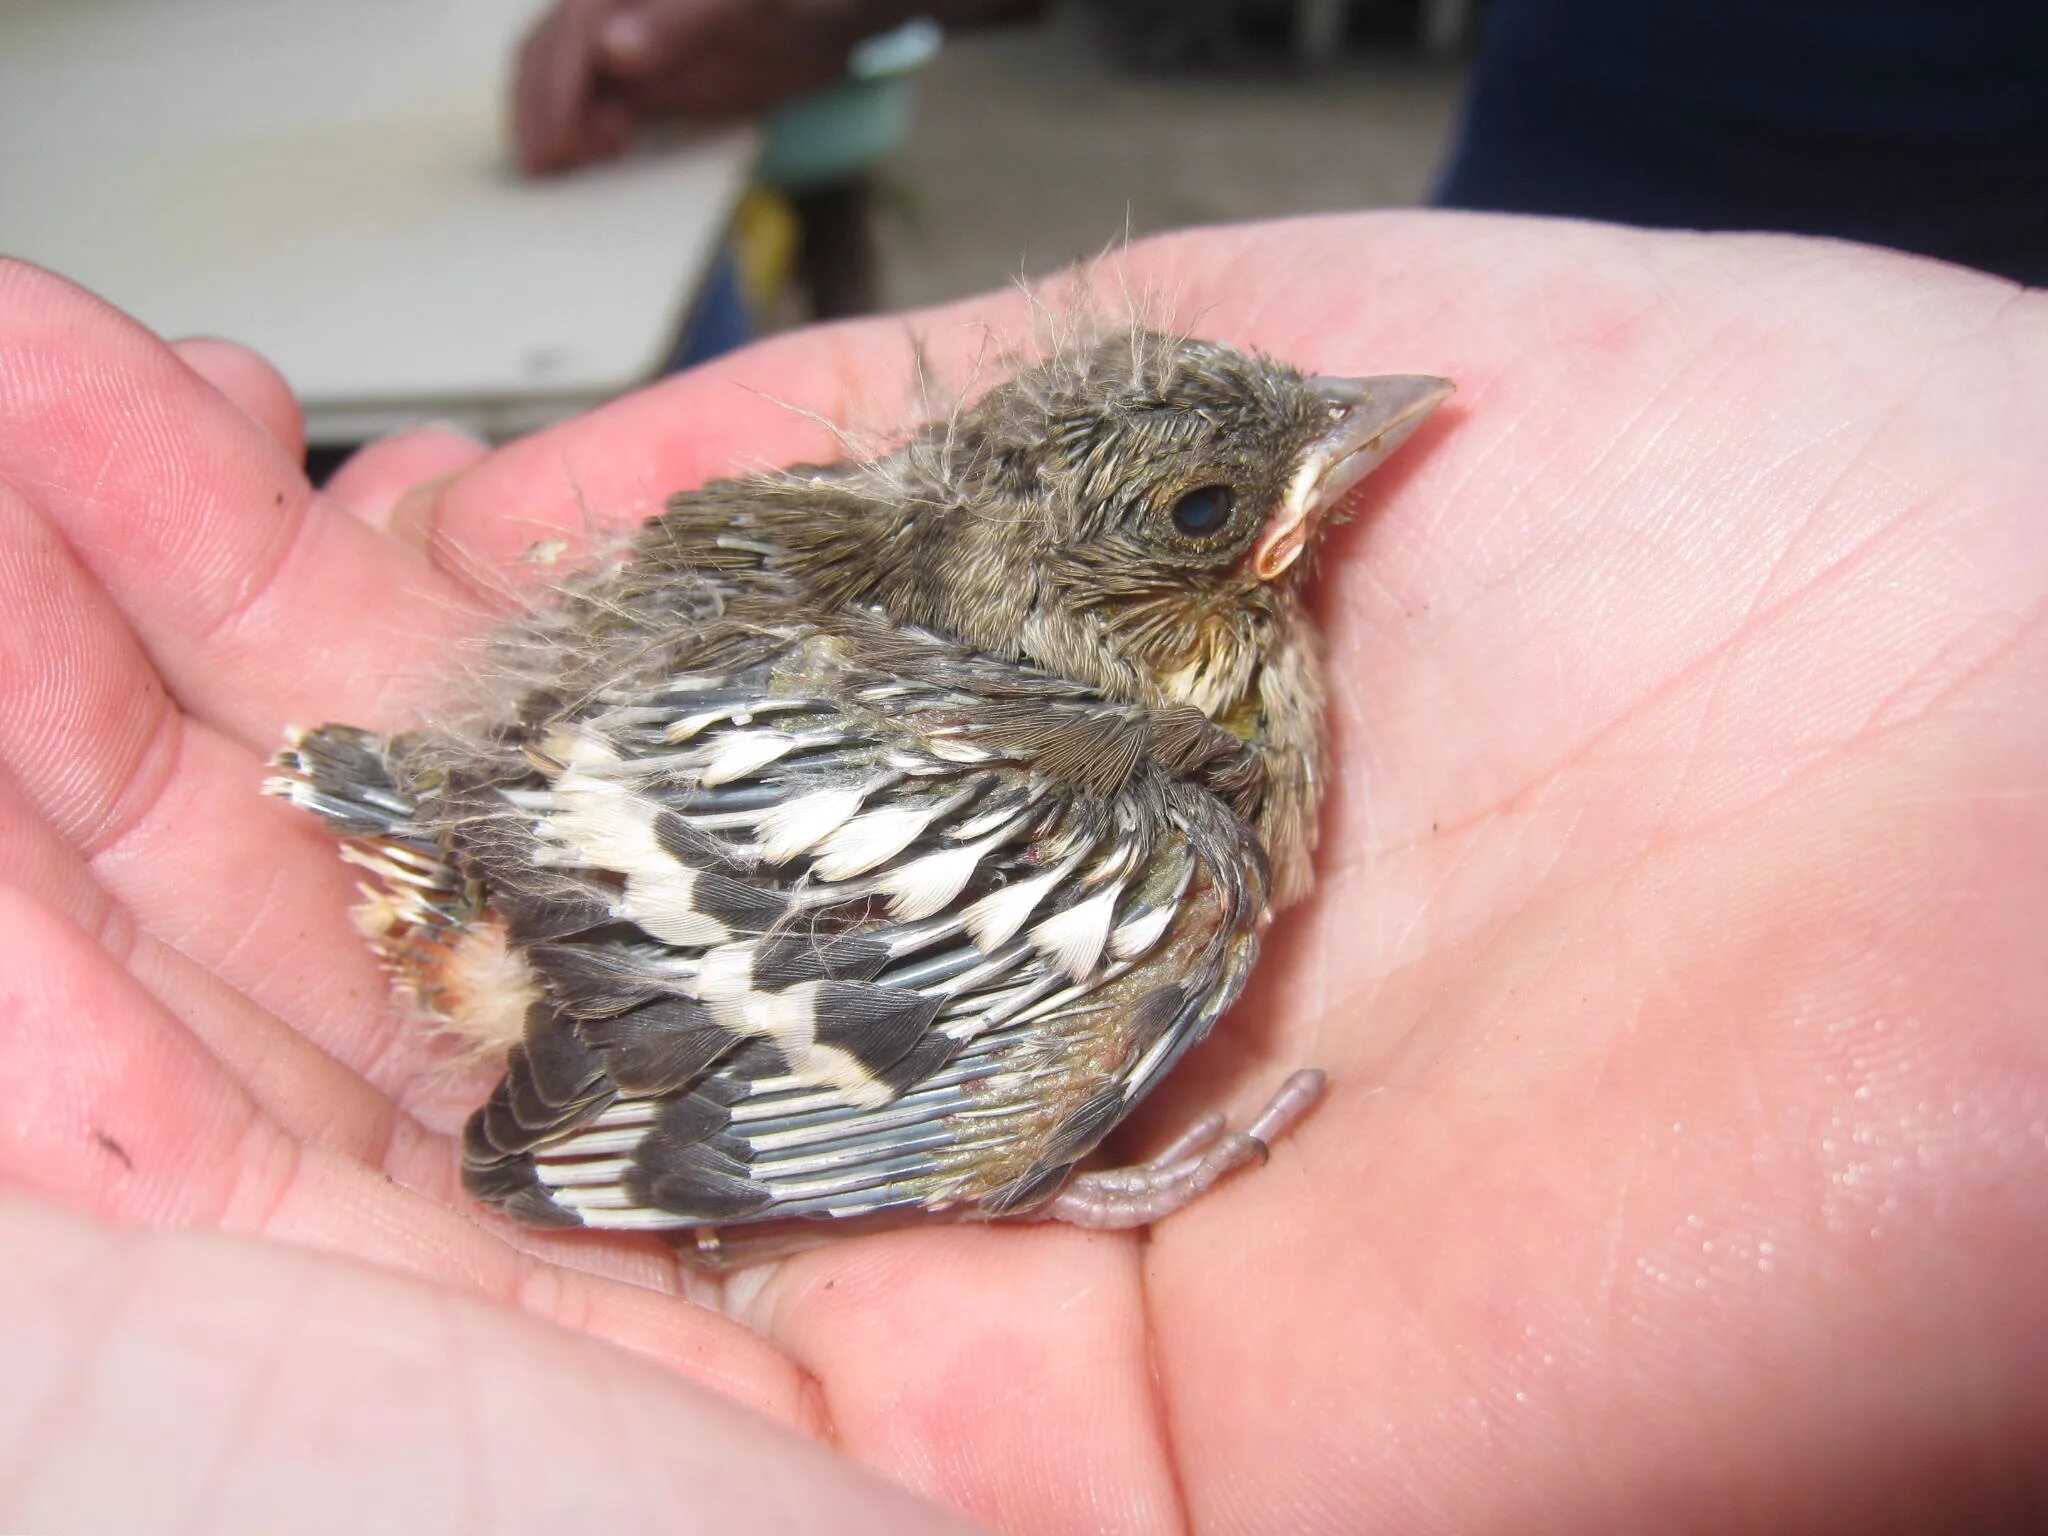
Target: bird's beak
[(1369, 419)]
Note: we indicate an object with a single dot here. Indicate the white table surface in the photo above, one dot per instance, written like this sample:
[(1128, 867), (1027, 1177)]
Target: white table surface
[(329, 181)]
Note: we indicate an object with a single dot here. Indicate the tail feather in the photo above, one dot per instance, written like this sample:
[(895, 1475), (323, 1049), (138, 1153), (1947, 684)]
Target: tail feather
[(343, 775), (418, 911)]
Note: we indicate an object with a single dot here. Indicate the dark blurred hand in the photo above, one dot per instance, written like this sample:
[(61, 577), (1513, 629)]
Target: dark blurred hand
[(591, 69)]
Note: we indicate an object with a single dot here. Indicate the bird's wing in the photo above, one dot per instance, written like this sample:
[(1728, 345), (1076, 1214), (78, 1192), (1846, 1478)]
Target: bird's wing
[(842, 931)]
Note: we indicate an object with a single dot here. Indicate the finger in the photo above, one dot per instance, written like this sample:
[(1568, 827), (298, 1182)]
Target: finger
[(614, 468), (1016, 1361), (167, 816), (115, 1092), (378, 480), (196, 523), (257, 388), (243, 1386), (119, 1111), (39, 862), (306, 1090), (556, 87), (536, 136), (608, 131), (166, 812), (98, 730)]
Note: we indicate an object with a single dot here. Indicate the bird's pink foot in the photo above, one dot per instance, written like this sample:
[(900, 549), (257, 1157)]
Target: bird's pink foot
[(1112, 1198)]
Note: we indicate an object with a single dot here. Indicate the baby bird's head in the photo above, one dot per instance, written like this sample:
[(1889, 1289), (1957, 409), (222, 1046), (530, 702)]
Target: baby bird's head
[(1155, 497), (1134, 516)]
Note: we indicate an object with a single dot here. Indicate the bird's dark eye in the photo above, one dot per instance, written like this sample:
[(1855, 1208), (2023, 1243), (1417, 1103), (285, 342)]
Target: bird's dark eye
[(1203, 511)]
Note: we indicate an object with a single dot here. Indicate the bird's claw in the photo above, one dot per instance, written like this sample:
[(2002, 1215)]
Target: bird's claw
[(1115, 1198)]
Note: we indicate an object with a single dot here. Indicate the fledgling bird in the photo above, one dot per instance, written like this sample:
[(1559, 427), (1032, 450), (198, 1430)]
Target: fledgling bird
[(873, 837)]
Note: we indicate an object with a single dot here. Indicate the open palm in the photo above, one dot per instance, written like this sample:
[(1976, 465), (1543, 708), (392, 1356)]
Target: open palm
[(1678, 961)]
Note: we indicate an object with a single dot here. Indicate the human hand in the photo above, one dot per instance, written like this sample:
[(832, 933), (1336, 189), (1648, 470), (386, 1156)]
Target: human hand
[(590, 70), (1676, 961)]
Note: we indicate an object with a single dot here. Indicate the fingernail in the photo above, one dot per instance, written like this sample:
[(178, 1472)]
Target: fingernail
[(413, 514), (627, 40)]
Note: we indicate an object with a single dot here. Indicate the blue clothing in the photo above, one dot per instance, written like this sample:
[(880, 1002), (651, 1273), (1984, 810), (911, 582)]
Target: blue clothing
[(719, 323), (1908, 123)]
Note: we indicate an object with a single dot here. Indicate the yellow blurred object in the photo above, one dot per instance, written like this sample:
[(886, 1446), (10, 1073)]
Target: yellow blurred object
[(765, 235)]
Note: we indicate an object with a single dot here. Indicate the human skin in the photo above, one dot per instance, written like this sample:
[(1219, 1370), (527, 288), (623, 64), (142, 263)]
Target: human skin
[(589, 71), (1678, 960)]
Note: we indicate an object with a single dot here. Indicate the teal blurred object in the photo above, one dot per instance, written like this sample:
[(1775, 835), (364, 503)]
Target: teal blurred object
[(842, 132)]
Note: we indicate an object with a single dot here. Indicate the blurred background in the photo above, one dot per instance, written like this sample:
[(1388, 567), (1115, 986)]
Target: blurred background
[(1033, 143), (495, 213)]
